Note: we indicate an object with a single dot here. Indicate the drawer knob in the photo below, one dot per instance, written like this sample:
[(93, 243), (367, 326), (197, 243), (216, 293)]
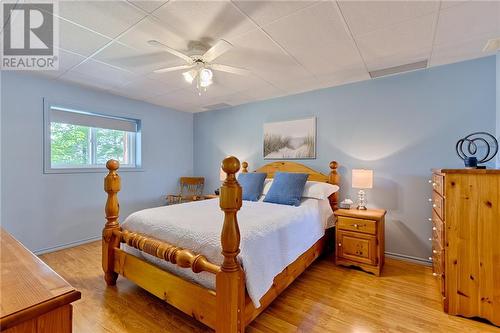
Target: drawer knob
[(355, 225), (434, 184), (434, 251), (434, 228), (434, 274), (434, 205), (340, 244)]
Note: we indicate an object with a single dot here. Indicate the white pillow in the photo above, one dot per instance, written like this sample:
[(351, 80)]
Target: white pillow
[(319, 190), (315, 190)]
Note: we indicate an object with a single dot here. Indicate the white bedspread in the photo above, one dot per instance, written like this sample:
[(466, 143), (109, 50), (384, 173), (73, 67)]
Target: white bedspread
[(272, 236)]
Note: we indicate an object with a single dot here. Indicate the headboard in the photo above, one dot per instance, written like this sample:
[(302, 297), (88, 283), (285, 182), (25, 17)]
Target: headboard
[(332, 178)]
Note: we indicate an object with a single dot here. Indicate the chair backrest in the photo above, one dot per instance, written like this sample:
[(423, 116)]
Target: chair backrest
[(192, 186)]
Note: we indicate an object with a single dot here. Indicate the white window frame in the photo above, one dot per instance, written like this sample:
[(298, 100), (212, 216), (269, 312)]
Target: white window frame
[(135, 144)]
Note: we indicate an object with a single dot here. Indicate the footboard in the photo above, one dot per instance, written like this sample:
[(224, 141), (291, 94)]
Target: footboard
[(221, 310)]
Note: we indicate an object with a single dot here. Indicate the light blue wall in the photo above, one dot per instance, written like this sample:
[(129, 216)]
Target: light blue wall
[(50, 210), (400, 126)]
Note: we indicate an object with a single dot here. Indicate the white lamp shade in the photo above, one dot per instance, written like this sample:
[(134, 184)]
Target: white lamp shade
[(362, 178), (222, 175)]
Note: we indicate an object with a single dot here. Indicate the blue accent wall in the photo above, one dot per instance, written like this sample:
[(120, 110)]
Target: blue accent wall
[(45, 211), (399, 126)]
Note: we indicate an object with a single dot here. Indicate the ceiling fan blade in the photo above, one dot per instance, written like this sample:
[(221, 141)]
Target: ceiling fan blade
[(171, 69), (170, 50), (230, 69), (221, 47)]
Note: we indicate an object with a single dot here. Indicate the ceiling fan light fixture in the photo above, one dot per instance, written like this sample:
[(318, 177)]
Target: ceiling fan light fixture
[(206, 76), (188, 77)]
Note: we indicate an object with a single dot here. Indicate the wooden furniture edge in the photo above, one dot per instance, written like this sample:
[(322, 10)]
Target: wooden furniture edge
[(169, 287), (39, 309), (370, 214)]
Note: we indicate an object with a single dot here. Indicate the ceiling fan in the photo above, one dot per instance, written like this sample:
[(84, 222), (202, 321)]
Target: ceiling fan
[(199, 63)]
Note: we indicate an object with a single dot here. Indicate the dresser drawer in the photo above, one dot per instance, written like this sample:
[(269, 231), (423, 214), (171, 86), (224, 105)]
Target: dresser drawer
[(438, 183), (357, 247), (438, 205), (437, 229), (357, 225), (437, 259)]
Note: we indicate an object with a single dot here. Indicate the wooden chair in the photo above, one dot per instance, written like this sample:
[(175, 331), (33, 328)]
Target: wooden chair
[(191, 190)]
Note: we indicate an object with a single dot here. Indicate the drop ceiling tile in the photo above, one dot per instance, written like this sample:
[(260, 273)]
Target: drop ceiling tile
[(99, 73), (463, 50), (400, 44), (170, 101), (144, 88), (67, 60), (257, 53), (264, 12), (344, 77), (141, 61), (206, 21), (149, 6), (109, 18), (79, 40), (367, 16), (322, 44), (468, 20), (152, 28)]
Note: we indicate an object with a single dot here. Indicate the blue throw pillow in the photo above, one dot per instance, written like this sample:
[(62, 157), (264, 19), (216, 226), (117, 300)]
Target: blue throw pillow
[(287, 188), (252, 185)]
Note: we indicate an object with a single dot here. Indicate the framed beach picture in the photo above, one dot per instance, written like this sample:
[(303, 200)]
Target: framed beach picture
[(292, 139)]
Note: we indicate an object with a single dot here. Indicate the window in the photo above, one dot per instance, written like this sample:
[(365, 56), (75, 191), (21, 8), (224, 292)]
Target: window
[(79, 141)]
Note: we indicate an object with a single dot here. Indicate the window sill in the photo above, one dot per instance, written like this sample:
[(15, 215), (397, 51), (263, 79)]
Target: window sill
[(89, 170)]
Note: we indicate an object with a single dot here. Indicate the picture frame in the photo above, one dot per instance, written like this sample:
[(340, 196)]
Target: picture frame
[(290, 140)]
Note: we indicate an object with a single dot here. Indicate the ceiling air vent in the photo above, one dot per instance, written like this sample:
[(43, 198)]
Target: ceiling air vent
[(216, 106), (492, 45), (399, 69)]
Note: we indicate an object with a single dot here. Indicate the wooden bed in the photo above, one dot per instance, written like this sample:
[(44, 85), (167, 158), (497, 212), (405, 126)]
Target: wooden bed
[(228, 309)]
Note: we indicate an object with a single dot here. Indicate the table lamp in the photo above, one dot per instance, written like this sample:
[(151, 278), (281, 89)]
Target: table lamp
[(362, 179)]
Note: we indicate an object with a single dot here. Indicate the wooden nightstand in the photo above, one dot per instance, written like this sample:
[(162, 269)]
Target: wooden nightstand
[(359, 238)]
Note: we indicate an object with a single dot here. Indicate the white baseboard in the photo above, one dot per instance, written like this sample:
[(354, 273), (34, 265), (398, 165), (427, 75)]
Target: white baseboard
[(415, 260), (65, 246)]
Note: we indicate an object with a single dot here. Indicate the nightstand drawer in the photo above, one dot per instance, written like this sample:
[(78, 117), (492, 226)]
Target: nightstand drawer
[(357, 247), (357, 225)]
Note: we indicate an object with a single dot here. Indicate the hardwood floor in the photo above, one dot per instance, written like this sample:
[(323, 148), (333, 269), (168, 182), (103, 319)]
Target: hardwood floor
[(325, 298)]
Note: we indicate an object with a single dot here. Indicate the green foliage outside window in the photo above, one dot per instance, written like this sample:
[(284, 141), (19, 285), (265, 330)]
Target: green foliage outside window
[(73, 145)]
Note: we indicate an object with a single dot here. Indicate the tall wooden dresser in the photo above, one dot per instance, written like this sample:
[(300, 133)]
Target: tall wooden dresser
[(466, 241)]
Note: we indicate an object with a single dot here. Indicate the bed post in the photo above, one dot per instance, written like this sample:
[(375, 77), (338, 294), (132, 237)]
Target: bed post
[(244, 167), (230, 281), (112, 209), (334, 178)]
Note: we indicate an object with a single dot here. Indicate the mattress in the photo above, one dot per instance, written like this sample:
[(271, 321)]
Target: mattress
[(272, 236)]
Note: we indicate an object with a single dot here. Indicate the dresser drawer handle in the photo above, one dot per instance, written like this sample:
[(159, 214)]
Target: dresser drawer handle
[(434, 274), (434, 228), (434, 251), (340, 244), (434, 205), (355, 225)]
